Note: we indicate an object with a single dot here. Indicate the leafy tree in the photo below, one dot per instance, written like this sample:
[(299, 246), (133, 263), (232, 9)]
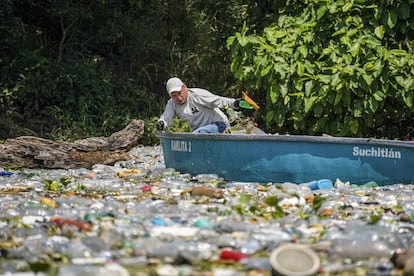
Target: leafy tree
[(72, 69), (336, 67), (85, 68)]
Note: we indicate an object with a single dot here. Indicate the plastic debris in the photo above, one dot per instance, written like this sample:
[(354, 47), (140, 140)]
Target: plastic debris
[(139, 218)]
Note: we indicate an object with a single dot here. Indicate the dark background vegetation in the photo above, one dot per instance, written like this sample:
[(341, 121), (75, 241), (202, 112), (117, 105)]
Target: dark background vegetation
[(74, 69)]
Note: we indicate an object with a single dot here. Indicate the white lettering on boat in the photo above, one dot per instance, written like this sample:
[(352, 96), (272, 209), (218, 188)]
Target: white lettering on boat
[(179, 145), (377, 152)]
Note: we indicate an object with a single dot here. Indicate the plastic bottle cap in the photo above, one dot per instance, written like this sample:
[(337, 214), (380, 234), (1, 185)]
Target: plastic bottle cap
[(294, 259)]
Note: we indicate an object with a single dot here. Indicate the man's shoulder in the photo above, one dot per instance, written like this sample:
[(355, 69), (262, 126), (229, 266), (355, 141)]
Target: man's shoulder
[(198, 91), (171, 103)]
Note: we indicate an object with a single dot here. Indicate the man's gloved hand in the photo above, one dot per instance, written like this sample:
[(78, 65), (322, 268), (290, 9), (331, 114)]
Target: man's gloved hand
[(160, 125), (237, 103)]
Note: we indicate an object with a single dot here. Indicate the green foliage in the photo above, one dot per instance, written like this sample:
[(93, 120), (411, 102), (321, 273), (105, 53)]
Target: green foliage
[(63, 79), (179, 125), (273, 202), (52, 185), (73, 69), (376, 217), (331, 69), (245, 199), (61, 185), (150, 133), (318, 201), (83, 98)]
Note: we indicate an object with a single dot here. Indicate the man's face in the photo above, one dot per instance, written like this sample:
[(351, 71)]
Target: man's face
[(181, 96)]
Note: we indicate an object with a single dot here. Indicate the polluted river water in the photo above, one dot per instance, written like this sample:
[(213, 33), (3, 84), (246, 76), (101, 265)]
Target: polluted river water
[(139, 218)]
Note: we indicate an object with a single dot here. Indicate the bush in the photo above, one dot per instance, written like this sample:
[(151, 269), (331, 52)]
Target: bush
[(329, 69)]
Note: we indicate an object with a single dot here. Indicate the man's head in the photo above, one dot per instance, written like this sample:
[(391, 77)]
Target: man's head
[(177, 90)]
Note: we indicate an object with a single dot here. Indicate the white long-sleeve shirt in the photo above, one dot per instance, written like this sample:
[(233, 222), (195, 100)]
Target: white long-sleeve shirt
[(201, 108)]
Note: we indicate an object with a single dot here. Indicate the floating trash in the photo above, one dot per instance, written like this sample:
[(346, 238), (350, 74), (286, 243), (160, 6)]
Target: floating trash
[(294, 259), (139, 218)]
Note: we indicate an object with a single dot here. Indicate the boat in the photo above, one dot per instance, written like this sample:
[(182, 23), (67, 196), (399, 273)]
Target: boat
[(297, 159)]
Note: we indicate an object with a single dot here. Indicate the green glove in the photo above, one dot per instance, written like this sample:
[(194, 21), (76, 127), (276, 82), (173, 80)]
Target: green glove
[(240, 103)]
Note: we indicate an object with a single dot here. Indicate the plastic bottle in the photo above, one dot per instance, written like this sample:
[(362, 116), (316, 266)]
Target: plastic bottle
[(233, 115), (5, 173), (251, 246), (232, 255), (92, 270), (360, 248), (321, 184)]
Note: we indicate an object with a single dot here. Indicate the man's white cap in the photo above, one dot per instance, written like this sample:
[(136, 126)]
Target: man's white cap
[(174, 85)]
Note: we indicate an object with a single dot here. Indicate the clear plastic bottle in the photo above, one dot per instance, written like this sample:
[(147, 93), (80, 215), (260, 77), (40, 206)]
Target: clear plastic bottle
[(360, 248), (233, 115)]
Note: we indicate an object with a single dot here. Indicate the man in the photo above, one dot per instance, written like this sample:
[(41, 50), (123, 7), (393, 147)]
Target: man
[(199, 107)]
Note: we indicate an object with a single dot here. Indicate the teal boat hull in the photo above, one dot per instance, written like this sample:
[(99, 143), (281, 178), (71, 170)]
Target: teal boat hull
[(290, 158)]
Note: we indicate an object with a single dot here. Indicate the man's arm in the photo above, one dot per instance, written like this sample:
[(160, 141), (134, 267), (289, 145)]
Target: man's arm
[(167, 117)]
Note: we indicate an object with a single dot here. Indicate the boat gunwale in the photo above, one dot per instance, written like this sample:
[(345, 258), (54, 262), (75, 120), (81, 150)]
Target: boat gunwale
[(287, 138)]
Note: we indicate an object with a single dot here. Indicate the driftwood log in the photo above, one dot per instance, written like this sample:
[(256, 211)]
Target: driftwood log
[(35, 152)]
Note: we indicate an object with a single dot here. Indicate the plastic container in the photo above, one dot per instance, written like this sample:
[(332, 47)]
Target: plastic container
[(294, 260), (321, 184)]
